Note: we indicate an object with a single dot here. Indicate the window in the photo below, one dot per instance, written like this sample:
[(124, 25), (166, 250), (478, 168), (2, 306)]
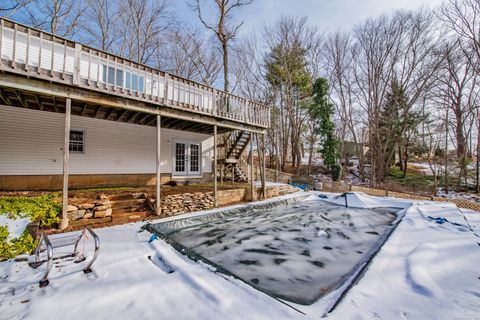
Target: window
[(109, 76), (77, 141)]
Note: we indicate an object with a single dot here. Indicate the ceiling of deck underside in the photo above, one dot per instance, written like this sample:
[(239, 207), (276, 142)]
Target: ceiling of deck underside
[(79, 108)]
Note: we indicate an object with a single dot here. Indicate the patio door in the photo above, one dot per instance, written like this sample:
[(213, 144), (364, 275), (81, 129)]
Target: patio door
[(187, 159)]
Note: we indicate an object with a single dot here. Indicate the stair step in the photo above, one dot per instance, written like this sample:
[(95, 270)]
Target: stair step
[(126, 196), (120, 204), (129, 209), (127, 213), (87, 222), (130, 216)]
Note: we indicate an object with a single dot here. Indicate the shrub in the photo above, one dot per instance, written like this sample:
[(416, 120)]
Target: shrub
[(10, 249), (336, 172), (45, 209)]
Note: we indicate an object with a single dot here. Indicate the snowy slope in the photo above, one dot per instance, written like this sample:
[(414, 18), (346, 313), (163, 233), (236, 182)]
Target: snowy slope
[(425, 270)]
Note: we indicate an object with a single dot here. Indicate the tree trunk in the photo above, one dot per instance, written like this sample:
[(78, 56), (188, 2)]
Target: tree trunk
[(478, 159), (225, 67), (446, 152)]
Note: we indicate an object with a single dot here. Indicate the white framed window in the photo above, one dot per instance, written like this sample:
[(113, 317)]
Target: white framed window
[(77, 141)]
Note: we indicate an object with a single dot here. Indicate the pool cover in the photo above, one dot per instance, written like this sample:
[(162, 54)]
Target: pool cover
[(296, 252)]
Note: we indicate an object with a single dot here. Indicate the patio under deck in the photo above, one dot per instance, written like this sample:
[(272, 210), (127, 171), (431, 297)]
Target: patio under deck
[(41, 71)]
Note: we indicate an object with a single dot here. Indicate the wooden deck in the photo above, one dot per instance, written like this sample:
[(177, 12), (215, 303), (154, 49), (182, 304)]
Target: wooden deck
[(41, 70)]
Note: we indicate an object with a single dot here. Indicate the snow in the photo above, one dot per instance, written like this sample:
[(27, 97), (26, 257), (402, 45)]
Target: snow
[(15, 226), (425, 270)]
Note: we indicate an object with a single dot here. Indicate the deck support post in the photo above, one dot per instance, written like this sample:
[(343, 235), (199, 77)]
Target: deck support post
[(66, 154), (264, 182), (158, 208), (215, 165), (252, 178)]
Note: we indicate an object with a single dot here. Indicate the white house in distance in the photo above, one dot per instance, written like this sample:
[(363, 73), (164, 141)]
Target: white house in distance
[(74, 116)]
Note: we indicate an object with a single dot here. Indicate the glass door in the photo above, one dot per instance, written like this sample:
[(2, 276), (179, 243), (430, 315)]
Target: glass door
[(180, 165), (194, 167), (187, 160)]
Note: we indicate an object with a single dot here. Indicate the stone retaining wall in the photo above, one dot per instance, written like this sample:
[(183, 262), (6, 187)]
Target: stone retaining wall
[(174, 204), (99, 208)]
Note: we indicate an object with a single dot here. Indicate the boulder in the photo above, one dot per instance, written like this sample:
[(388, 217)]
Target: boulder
[(102, 208), (84, 206), (71, 208), (103, 213), (103, 197), (318, 186), (75, 215), (88, 215)]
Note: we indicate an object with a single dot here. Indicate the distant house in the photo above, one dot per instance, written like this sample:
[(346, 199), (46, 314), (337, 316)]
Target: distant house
[(353, 149), (72, 114)]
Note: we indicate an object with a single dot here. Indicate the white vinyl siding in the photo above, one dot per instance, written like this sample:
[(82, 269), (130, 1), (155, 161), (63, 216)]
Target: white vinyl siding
[(31, 144)]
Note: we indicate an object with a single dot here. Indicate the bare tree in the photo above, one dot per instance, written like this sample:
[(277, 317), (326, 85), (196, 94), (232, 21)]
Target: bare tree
[(222, 26), (102, 28), (463, 18), (10, 7), (393, 49), (457, 83), (143, 23), (61, 17), (189, 55)]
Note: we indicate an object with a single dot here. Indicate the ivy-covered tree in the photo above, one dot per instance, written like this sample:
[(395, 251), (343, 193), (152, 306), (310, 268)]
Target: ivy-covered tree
[(322, 110)]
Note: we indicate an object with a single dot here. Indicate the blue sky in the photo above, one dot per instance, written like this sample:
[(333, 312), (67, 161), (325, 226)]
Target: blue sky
[(327, 14)]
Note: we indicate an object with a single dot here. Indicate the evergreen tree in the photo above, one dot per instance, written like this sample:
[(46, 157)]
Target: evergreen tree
[(322, 111)]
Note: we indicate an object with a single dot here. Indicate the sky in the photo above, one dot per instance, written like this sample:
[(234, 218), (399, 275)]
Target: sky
[(329, 15)]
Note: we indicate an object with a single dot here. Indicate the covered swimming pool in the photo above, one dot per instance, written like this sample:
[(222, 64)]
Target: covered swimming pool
[(297, 250)]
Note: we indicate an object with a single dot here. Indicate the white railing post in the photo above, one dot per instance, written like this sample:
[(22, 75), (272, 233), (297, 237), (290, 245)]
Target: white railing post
[(165, 89), (14, 53), (214, 101), (27, 57), (76, 64), (1, 37), (53, 56)]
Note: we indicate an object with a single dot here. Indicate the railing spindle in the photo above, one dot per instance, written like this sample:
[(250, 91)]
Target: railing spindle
[(53, 56), (40, 52), (89, 66), (64, 58), (27, 58), (1, 42), (14, 45)]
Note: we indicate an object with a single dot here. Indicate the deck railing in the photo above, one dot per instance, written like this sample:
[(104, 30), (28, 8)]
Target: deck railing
[(39, 54)]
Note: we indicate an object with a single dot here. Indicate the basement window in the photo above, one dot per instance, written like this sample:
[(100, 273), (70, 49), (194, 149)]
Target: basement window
[(77, 141)]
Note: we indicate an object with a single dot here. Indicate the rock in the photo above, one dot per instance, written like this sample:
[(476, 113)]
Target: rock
[(71, 208), (103, 214), (86, 206), (75, 215), (103, 197), (102, 202), (318, 186), (88, 215), (102, 208)]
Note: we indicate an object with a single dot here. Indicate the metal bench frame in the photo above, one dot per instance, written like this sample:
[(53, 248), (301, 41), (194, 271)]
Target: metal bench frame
[(47, 244)]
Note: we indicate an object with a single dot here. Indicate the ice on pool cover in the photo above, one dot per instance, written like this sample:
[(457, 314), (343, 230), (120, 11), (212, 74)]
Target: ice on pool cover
[(297, 252)]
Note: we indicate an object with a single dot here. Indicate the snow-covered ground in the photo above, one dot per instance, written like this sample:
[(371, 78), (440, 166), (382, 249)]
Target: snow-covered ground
[(15, 226), (425, 270)]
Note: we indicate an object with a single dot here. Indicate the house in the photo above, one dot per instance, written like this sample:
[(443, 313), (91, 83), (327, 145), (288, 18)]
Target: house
[(75, 116)]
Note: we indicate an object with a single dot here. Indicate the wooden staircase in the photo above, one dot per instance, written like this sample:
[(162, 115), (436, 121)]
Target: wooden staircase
[(129, 207), (236, 142)]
